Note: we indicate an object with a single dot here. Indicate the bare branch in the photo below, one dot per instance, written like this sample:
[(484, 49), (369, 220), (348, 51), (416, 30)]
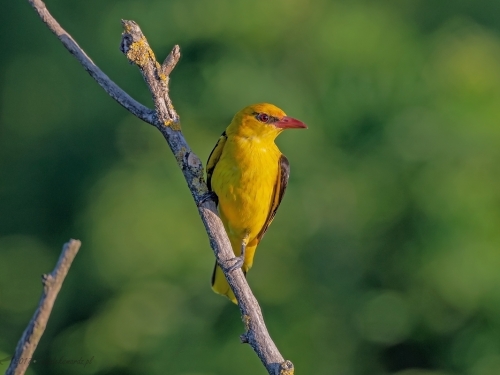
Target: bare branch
[(135, 46), (102, 79), (52, 283)]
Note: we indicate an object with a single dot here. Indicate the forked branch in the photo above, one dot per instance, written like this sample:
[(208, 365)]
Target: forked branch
[(164, 117)]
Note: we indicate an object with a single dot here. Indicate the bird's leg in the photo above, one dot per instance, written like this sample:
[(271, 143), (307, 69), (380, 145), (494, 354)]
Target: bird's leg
[(238, 261), (207, 196)]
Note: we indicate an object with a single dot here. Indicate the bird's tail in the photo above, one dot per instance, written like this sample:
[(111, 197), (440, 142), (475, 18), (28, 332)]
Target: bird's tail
[(220, 284)]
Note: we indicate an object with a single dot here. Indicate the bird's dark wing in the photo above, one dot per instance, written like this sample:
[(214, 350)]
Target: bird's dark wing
[(278, 192), (214, 157)]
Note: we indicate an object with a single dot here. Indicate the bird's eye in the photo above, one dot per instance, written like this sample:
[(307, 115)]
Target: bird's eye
[(263, 117)]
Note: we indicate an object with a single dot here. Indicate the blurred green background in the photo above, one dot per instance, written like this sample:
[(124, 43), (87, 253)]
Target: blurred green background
[(384, 256)]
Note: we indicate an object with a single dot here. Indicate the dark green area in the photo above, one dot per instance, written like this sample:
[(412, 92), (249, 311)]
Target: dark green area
[(384, 257)]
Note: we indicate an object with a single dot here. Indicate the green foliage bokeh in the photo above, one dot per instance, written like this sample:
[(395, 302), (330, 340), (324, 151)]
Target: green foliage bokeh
[(384, 256)]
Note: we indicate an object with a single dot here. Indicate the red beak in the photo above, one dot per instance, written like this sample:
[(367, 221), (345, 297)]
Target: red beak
[(290, 123)]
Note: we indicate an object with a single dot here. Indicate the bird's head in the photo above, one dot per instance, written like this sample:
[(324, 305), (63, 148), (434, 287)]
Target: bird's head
[(262, 120)]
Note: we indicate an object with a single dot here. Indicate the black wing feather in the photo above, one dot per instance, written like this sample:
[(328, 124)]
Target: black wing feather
[(214, 157), (278, 193)]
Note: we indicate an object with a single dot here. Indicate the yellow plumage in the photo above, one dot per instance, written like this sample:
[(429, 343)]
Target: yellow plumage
[(248, 173)]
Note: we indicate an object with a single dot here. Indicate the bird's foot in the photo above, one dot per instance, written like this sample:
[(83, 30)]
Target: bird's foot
[(234, 263), (210, 195)]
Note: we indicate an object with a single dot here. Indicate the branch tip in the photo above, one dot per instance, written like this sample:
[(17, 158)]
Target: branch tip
[(244, 338), (286, 368), (171, 60), (47, 280), (135, 46)]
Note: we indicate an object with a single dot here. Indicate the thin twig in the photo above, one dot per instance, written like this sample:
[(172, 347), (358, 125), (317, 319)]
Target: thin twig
[(171, 60), (135, 46), (102, 79), (52, 283)]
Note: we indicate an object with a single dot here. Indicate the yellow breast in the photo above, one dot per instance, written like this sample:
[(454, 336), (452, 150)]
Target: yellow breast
[(244, 180)]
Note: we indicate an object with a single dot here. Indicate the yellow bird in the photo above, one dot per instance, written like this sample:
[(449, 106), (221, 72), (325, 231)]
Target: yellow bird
[(249, 175)]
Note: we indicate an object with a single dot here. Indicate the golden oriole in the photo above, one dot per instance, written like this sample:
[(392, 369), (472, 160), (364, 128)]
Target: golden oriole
[(249, 175)]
